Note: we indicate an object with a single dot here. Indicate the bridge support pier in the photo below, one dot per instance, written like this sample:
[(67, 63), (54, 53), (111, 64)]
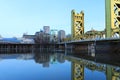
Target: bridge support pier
[(68, 48)]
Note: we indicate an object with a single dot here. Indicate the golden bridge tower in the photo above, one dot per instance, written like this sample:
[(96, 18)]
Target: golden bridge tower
[(77, 25), (112, 9)]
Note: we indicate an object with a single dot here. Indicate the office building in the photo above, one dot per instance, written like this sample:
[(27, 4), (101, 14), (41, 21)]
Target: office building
[(46, 29), (61, 35)]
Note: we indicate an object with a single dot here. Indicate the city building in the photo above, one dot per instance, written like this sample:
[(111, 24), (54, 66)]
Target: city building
[(54, 35), (28, 36), (42, 38), (61, 35), (27, 41), (46, 29), (10, 40)]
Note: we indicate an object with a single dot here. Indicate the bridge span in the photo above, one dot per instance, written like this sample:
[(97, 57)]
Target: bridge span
[(95, 48), (91, 41)]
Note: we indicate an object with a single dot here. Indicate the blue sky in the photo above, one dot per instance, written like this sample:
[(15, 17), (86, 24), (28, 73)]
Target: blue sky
[(21, 16)]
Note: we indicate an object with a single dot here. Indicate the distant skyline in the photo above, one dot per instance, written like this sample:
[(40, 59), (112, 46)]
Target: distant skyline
[(28, 16)]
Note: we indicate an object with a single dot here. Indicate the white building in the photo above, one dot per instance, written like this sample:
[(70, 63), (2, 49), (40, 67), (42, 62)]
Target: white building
[(46, 29)]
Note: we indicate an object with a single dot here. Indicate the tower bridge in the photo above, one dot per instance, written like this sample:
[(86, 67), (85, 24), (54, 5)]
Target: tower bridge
[(95, 40), (112, 29)]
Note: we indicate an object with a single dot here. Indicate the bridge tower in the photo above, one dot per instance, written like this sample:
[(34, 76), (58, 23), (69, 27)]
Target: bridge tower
[(77, 25), (77, 71), (112, 10)]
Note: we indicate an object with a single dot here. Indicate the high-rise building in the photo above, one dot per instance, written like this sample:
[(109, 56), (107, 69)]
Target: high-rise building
[(54, 35), (46, 29), (61, 35)]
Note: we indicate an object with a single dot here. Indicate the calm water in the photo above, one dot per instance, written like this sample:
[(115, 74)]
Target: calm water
[(54, 66)]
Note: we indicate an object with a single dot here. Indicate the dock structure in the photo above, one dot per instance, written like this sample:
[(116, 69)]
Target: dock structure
[(23, 48), (16, 48)]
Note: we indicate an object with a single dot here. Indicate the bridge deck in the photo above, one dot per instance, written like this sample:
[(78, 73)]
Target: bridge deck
[(92, 40)]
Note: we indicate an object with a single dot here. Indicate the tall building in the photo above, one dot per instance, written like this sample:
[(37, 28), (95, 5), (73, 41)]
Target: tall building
[(46, 29), (61, 35), (77, 25), (54, 35)]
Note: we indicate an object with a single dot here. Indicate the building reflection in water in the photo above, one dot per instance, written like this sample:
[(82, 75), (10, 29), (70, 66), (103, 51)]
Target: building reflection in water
[(47, 58), (41, 57), (78, 65)]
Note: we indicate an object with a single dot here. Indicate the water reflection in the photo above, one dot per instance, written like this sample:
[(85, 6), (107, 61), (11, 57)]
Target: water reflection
[(44, 58), (90, 70), (81, 69)]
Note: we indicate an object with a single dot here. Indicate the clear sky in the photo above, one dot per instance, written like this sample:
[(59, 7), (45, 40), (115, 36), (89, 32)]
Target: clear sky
[(21, 16)]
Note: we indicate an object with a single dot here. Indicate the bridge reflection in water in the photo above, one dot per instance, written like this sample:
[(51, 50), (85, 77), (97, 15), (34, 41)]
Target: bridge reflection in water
[(78, 68), (78, 64)]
